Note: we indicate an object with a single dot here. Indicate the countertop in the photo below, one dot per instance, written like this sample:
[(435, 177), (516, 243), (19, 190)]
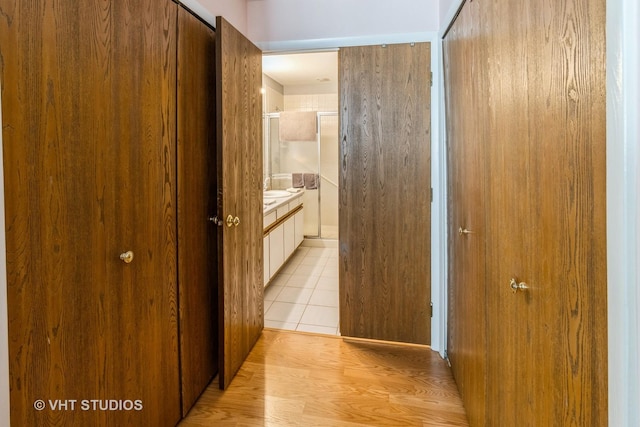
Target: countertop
[(278, 202)]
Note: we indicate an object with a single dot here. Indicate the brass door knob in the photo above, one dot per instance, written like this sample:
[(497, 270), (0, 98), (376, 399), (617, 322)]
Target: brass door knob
[(515, 286), (462, 231), (232, 221), (127, 257)]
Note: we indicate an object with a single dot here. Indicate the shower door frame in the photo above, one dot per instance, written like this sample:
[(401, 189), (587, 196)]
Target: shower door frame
[(267, 154)]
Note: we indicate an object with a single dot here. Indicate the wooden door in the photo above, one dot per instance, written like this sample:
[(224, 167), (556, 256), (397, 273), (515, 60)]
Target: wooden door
[(547, 213), (466, 160), (89, 163), (239, 163), (197, 236), (385, 224), (536, 102)]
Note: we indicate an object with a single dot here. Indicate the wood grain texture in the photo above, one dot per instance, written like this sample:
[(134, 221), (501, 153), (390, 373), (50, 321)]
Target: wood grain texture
[(543, 106), (466, 164), (296, 379), (197, 236), (385, 185), (239, 158), (89, 146)]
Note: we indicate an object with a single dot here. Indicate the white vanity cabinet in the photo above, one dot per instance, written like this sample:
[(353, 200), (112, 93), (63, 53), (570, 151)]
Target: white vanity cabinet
[(283, 232), (276, 249)]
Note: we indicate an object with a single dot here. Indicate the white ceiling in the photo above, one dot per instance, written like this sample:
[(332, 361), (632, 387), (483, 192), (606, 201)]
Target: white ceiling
[(297, 69)]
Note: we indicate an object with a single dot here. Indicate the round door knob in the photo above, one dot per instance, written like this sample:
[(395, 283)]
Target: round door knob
[(515, 286), (462, 231), (127, 257)]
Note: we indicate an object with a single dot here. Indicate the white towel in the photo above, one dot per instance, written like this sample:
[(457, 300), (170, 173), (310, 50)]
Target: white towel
[(298, 126)]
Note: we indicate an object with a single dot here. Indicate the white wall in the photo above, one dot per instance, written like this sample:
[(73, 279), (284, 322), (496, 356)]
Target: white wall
[(274, 21), (234, 11), (623, 210), (447, 10)]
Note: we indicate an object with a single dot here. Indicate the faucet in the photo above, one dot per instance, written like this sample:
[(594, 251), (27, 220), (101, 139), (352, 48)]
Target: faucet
[(266, 183)]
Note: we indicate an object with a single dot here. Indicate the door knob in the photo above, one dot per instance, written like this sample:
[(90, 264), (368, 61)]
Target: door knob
[(462, 231), (127, 257), (515, 286), (216, 221), (231, 221)]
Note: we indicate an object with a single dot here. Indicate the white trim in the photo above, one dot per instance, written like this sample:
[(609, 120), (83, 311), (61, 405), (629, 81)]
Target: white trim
[(336, 43), (199, 10), (4, 324), (442, 249), (439, 205), (623, 211)]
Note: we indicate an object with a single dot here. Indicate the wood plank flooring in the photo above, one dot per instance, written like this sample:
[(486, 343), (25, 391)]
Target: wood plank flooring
[(299, 379)]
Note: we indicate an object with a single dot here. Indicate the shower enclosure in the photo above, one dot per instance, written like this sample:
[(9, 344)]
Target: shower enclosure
[(282, 159)]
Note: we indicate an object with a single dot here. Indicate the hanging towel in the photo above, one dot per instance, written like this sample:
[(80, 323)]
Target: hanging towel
[(297, 181), (298, 126), (311, 181)]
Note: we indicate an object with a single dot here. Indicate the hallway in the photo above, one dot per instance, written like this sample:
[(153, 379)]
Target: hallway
[(299, 379)]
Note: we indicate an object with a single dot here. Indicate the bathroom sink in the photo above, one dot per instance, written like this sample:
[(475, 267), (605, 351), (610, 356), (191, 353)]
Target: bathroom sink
[(274, 194)]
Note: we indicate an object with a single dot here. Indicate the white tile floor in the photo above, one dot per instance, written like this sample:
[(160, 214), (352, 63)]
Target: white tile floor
[(304, 294)]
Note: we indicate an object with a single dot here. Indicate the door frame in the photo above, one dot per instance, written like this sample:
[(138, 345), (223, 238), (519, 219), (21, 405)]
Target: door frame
[(438, 156)]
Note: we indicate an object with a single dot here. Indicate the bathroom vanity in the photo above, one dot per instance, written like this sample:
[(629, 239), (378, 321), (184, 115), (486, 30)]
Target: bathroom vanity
[(283, 229)]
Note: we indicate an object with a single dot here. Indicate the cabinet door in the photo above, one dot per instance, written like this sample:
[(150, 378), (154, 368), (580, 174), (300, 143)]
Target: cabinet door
[(299, 228), (89, 111), (197, 274), (265, 244), (276, 249), (289, 237)]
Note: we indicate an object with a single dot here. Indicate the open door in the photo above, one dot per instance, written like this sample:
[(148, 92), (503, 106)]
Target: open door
[(239, 166), (385, 198)]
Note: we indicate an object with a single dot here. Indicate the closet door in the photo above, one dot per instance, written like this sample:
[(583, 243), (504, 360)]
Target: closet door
[(466, 151), (385, 198), (197, 239), (239, 163), (547, 344), (89, 164)]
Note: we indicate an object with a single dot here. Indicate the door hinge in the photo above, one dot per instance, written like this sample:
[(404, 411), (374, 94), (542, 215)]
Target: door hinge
[(431, 194), (431, 309), (431, 78)]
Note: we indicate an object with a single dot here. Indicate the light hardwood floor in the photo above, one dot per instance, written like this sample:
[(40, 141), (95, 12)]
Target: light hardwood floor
[(299, 379)]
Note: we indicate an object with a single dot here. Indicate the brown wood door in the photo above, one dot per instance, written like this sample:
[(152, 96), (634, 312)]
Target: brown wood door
[(239, 163), (89, 163), (197, 239), (466, 158), (547, 213), (385, 201), (527, 79)]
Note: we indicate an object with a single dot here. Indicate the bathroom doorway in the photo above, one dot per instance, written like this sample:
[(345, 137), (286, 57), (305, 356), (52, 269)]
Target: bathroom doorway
[(304, 82), (301, 153)]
